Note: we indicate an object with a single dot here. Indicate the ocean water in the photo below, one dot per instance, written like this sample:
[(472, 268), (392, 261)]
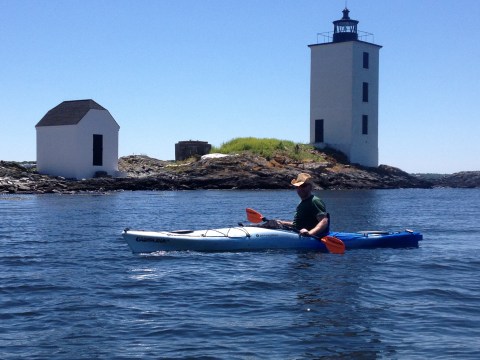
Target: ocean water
[(71, 289)]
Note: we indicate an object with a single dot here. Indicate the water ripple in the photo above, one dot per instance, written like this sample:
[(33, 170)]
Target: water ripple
[(70, 287)]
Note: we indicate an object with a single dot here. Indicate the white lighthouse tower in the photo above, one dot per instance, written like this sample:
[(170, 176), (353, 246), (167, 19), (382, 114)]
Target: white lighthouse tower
[(344, 93)]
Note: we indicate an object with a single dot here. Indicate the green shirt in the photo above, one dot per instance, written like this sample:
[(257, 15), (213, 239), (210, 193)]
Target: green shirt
[(308, 211)]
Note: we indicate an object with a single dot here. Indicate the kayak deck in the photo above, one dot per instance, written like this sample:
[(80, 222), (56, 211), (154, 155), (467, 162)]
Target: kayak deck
[(249, 238)]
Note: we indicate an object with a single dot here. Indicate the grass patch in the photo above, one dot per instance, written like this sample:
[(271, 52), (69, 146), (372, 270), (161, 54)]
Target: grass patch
[(269, 148)]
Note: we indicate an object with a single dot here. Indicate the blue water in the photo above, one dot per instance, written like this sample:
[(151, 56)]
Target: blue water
[(71, 289)]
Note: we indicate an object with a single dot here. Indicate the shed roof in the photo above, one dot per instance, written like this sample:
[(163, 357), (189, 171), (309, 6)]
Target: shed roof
[(69, 113)]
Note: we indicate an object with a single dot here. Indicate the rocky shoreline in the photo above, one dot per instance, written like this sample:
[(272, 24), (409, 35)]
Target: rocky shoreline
[(226, 172)]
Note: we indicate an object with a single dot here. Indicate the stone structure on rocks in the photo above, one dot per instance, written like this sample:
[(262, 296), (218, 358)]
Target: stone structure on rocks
[(187, 149)]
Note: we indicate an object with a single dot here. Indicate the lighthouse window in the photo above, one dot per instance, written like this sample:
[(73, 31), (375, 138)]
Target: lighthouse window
[(365, 92), (365, 60), (365, 124), (319, 131)]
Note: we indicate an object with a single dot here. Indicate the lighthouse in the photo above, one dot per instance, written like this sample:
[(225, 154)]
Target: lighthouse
[(344, 92)]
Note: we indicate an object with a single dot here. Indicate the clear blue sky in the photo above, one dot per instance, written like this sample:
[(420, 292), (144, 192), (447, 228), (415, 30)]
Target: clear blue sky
[(213, 70)]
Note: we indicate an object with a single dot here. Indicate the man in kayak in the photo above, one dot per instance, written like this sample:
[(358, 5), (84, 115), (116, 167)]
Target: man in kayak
[(311, 217)]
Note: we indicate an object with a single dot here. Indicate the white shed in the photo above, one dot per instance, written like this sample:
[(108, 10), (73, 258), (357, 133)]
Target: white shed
[(77, 139)]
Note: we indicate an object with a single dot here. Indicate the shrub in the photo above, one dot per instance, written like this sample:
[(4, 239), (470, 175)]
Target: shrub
[(269, 148)]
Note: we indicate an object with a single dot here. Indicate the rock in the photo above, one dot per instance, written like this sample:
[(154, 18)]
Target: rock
[(465, 179), (226, 172)]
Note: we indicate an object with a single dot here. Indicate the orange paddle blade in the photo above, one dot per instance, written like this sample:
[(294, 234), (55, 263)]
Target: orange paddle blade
[(254, 216), (334, 245)]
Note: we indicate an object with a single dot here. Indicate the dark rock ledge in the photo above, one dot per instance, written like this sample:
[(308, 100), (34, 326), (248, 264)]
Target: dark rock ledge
[(229, 172)]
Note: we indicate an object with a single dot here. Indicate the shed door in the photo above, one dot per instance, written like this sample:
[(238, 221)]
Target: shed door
[(97, 150)]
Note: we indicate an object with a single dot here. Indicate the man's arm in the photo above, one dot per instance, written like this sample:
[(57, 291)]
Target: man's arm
[(320, 228)]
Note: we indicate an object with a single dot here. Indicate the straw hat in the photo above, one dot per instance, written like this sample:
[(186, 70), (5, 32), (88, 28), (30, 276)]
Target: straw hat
[(301, 179)]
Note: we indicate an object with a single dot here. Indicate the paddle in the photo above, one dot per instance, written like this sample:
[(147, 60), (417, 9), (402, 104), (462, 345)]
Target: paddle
[(254, 216), (333, 244)]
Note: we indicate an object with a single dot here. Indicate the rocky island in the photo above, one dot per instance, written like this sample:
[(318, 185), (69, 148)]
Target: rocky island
[(234, 171)]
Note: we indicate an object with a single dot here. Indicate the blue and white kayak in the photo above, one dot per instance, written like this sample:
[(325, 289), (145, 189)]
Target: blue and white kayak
[(250, 238)]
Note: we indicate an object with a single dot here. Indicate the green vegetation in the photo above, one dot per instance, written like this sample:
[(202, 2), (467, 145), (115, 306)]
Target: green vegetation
[(269, 148)]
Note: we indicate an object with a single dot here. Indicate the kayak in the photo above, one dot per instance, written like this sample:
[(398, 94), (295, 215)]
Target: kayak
[(252, 238)]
